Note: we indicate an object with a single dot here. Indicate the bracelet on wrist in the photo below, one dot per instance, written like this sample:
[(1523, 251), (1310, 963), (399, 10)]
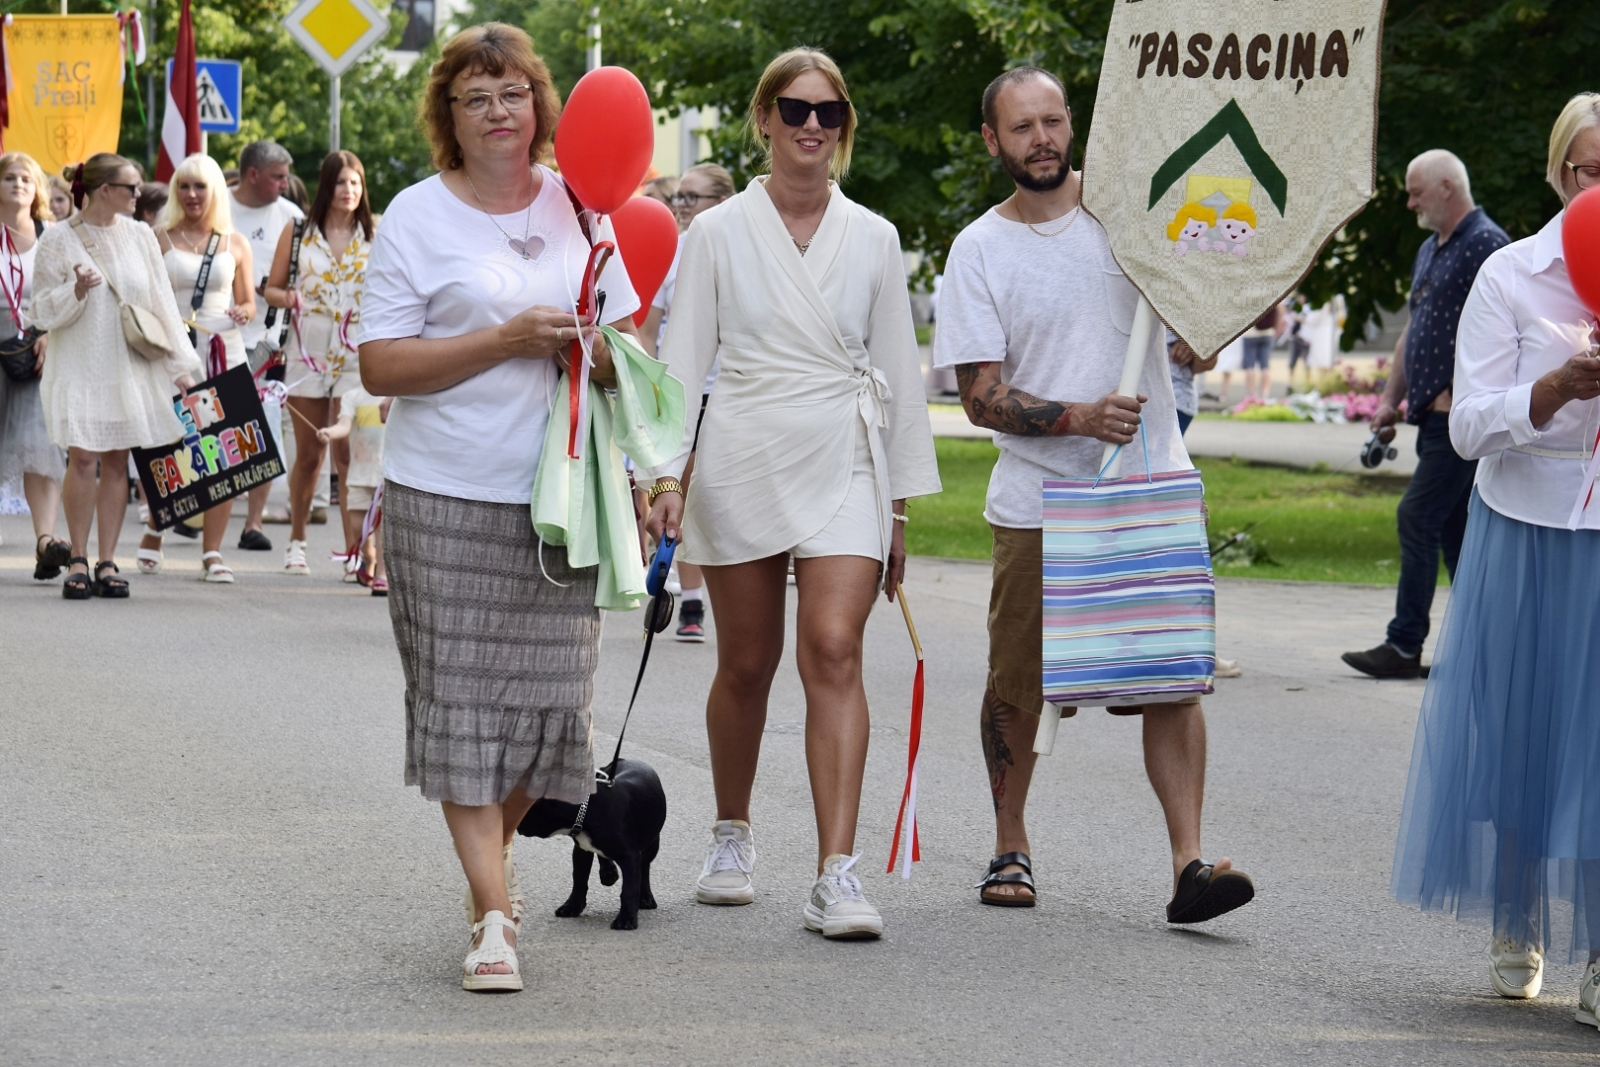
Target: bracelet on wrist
[(901, 518), (664, 485)]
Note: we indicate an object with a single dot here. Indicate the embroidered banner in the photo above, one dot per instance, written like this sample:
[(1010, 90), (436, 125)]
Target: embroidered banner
[(1231, 140), (65, 87), (226, 449)]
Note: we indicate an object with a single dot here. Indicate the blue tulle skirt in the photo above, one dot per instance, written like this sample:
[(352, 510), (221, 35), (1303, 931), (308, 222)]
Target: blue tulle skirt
[(1502, 813)]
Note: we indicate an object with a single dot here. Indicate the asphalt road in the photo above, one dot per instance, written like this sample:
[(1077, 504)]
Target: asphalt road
[(207, 855)]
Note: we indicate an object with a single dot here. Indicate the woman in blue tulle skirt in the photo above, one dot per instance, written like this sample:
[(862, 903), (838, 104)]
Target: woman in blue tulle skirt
[(1502, 811)]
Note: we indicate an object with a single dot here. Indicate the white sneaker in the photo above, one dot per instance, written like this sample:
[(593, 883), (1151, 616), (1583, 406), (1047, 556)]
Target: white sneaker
[(1589, 997), (725, 878), (294, 559), (1516, 970), (837, 908)]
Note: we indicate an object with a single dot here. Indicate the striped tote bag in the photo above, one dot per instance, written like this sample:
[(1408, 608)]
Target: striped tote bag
[(1129, 602)]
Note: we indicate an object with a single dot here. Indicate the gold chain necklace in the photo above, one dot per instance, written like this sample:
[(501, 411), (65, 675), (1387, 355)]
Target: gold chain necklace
[(1072, 216)]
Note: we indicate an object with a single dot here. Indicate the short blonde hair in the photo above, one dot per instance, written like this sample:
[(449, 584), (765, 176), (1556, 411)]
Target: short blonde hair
[(494, 49), (780, 73), (719, 178), (1242, 212), (1186, 214), (41, 185), (1581, 113), (219, 213)]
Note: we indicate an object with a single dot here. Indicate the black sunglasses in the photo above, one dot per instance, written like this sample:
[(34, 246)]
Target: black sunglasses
[(830, 113)]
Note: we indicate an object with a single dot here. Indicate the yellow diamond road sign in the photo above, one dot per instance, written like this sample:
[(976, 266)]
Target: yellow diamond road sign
[(336, 32)]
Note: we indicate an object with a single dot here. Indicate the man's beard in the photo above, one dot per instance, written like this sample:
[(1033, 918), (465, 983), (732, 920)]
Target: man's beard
[(1018, 170), (1427, 222)]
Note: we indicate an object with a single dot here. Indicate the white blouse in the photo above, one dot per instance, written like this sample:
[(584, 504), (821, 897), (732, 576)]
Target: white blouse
[(1522, 321), (810, 349)]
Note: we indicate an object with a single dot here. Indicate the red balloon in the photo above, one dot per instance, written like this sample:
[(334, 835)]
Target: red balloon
[(1580, 246), (605, 138), (647, 239)]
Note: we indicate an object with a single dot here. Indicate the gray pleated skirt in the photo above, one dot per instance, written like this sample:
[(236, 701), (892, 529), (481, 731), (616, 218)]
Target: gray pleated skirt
[(499, 660)]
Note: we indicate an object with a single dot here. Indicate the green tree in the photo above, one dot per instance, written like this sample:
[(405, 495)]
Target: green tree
[(915, 67)]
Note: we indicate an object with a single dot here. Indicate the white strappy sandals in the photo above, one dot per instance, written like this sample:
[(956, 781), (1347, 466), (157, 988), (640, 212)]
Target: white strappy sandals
[(492, 950)]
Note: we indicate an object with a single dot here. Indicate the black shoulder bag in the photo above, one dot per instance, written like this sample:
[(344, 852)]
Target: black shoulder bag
[(17, 353)]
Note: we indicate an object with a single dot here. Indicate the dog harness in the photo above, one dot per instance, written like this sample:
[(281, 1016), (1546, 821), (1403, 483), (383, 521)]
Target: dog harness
[(577, 824)]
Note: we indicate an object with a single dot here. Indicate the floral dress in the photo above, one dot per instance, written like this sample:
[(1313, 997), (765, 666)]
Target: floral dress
[(321, 351)]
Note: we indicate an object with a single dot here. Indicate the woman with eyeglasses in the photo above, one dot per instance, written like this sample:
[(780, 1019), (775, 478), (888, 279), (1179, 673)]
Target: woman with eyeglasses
[(815, 436), (701, 188), (1502, 812), (468, 309), (102, 397)]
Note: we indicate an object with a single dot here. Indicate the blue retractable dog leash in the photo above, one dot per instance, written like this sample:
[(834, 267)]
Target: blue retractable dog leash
[(657, 617)]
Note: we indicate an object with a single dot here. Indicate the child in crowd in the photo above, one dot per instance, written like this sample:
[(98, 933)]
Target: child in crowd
[(361, 419)]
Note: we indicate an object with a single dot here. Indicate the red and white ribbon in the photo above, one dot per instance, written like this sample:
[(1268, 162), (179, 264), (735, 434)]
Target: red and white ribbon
[(907, 820), (579, 358)]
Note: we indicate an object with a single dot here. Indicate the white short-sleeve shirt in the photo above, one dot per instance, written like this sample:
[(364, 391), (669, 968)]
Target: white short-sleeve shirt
[(443, 268), (262, 228), (1055, 313)]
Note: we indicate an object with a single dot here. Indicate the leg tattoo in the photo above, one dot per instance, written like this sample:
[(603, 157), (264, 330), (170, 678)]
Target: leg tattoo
[(996, 716)]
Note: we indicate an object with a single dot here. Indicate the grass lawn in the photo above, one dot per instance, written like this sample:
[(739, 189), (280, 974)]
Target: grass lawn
[(1314, 526)]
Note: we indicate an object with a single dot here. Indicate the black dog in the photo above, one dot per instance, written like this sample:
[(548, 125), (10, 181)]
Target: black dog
[(621, 823)]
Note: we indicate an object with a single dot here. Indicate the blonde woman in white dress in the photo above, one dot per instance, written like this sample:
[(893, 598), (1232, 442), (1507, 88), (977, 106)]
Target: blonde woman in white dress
[(323, 364), (100, 397), (197, 208), (814, 437)]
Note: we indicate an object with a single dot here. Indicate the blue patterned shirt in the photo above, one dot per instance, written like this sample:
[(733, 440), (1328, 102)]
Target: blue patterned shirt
[(1440, 282)]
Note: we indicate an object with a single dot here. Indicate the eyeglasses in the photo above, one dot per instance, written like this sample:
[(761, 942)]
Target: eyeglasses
[(1585, 175), (691, 199), (830, 113), (512, 98)]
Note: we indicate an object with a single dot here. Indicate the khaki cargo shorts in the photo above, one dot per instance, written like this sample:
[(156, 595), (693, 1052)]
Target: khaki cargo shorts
[(1016, 624)]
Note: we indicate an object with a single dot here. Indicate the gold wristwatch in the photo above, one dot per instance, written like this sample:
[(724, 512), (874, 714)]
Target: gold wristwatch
[(665, 485)]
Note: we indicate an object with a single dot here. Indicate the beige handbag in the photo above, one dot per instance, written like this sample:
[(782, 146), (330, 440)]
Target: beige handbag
[(144, 332)]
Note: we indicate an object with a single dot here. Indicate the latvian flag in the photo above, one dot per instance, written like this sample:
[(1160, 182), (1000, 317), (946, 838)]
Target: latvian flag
[(180, 128)]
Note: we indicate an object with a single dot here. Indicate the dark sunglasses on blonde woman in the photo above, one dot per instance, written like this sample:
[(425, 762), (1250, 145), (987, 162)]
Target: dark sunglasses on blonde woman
[(830, 113)]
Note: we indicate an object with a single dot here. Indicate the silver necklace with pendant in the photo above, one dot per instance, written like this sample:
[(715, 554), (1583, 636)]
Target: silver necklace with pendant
[(526, 247)]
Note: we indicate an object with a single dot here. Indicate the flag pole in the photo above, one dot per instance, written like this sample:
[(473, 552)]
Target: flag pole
[(907, 820)]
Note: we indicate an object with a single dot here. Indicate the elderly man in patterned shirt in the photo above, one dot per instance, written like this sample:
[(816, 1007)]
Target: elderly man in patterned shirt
[(1433, 513)]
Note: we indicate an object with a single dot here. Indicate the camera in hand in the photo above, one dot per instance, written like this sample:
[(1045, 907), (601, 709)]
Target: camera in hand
[(1376, 450)]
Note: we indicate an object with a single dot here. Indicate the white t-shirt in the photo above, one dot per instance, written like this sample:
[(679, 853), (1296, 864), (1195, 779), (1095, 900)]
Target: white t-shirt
[(442, 268), (261, 226), (365, 413), (1056, 313)]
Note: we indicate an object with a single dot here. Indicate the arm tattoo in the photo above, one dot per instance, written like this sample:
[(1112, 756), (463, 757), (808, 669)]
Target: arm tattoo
[(998, 406), (996, 753)]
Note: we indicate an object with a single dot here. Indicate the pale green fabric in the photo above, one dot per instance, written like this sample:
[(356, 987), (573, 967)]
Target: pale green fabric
[(586, 504)]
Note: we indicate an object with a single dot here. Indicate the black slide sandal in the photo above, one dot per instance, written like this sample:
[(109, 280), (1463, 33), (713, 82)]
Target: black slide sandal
[(1023, 878), (112, 586), (76, 587), (1204, 893)]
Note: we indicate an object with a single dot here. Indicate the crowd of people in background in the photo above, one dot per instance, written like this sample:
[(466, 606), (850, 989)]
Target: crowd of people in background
[(221, 278)]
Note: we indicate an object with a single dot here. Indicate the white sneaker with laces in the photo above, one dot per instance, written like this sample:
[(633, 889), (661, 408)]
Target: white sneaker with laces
[(1515, 969), (1589, 997), (837, 909), (725, 878)]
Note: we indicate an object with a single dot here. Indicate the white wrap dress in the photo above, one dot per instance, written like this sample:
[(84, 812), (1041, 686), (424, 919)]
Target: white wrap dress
[(820, 392)]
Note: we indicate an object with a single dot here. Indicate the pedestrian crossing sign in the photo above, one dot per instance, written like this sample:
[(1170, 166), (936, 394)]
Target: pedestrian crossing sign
[(219, 86)]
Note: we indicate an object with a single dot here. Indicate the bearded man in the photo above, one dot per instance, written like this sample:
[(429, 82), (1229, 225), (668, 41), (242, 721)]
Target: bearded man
[(1034, 315)]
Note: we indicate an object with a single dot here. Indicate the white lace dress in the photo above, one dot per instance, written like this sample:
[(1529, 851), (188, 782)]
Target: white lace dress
[(99, 394)]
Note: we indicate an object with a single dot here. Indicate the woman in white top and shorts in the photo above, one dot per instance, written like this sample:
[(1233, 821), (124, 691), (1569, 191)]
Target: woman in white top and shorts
[(325, 313), (1502, 811), (101, 397), (469, 308), (197, 218), (814, 437)]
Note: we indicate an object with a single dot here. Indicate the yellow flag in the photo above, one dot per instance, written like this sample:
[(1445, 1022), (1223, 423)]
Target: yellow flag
[(66, 87)]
